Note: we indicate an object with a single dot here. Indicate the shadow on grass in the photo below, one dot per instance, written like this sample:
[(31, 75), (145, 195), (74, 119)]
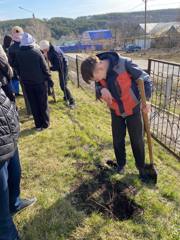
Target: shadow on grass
[(24, 117), (97, 195), (27, 132)]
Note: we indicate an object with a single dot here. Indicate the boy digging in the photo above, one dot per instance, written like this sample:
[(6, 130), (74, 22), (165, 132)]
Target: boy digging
[(116, 83)]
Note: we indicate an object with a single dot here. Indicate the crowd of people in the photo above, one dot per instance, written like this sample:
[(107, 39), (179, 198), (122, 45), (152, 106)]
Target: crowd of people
[(24, 62)]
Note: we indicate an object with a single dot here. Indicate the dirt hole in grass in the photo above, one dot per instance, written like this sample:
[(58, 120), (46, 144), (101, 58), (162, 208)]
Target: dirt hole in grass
[(99, 194)]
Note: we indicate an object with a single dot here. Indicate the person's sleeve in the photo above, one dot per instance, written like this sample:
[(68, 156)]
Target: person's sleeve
[(13, 61), (6, 69), (55, 63), (44, 68), (98, 88), (137, 73), (12, 58)]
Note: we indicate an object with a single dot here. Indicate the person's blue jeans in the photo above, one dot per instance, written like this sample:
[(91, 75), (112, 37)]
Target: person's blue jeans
[(14, 178), (10, 174)]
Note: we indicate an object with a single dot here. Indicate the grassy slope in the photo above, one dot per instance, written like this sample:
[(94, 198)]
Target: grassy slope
[(54, 163)]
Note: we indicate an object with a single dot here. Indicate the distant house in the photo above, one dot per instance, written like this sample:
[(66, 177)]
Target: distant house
[(102, 36), (166, 34)]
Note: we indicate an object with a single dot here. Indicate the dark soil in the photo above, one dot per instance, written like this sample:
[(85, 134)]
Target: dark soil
[(101, 195)]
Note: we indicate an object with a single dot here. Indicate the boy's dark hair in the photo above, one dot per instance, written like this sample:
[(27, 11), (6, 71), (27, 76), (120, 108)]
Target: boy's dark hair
[(87, 68)]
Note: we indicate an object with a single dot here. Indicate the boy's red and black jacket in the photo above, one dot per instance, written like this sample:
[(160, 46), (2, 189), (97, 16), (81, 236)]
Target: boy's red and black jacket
[(121, 82)]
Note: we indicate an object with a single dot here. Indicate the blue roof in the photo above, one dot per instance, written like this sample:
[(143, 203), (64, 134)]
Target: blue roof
[(100, 34)]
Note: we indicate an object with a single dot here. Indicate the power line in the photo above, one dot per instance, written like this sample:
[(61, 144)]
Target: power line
[(151, 4), (145, 22), (154, 4), (135, 7)]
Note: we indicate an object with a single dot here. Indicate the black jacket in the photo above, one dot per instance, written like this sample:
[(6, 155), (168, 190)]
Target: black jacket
[(58, 62), (12, 52), (31, 66), (9, 127)]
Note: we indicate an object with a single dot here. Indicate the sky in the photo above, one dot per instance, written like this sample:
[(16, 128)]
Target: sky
[(9, 9)]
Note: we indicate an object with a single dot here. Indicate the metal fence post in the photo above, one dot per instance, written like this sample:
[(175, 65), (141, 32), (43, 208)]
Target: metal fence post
[(149, 66), (77, 71)]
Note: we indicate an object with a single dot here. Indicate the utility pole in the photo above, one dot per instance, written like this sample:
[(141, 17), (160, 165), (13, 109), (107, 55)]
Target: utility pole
[(35, 23), (145, 23), (115, 37)]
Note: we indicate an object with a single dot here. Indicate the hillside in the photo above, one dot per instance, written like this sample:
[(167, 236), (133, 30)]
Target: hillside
[(164, 15), (58, 26)]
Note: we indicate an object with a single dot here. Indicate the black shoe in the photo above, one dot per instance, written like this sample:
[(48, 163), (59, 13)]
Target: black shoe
[(143, 175), (24, 203)]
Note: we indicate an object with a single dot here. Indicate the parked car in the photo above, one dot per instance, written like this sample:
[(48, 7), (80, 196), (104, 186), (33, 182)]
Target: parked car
[(132, 48), (118, 49)]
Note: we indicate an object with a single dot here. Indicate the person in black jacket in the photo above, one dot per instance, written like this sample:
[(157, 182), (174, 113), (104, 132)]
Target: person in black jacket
[(10, 169), (58, 63), (33, 71)]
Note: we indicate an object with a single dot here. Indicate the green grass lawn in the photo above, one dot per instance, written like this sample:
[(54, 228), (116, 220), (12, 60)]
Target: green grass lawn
[(59, 160)]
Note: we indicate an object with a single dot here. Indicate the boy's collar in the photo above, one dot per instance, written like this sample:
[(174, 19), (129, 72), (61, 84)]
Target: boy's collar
[(113, 58)]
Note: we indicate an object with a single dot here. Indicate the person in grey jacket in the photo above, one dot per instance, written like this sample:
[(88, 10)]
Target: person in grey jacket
[(10, 169)]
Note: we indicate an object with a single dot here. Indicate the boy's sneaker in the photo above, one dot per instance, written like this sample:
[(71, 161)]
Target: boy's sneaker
[(24, 203)]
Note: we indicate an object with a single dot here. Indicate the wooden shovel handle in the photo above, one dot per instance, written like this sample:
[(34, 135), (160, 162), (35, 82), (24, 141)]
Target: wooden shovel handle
[(146, 120)]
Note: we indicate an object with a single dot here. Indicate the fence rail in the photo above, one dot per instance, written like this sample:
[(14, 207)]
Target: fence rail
[(165, 102)]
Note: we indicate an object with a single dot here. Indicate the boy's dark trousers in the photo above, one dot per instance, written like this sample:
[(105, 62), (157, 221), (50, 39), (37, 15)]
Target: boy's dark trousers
[(135, 128), (10, 174), (63, 85), (38, 99)]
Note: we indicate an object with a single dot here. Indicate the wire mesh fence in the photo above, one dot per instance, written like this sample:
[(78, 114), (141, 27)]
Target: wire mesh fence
[(165, 114), (165, 102)]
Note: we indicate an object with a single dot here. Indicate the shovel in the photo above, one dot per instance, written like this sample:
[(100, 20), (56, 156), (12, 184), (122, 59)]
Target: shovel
[(150, 172)]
